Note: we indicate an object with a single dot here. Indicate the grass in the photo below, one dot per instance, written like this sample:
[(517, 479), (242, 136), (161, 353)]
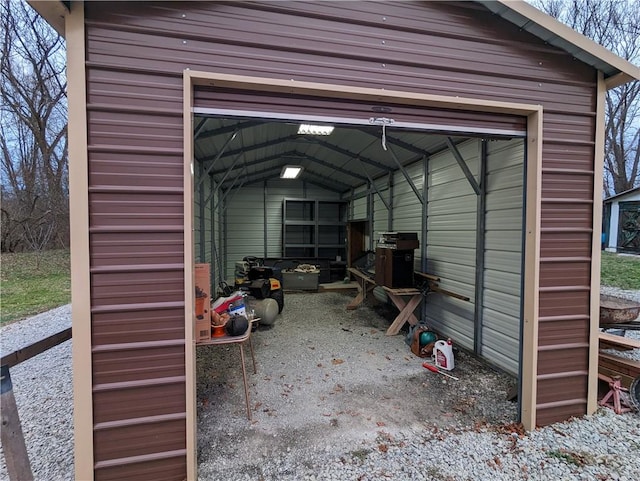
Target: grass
[(571, 457), (620, 271), (33, 283)]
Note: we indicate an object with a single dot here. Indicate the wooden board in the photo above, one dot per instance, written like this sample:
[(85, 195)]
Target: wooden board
[(611, 365), (611, 341)]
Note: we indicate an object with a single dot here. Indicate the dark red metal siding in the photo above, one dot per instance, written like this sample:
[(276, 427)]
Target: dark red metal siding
[(136, 53), (229, 99)]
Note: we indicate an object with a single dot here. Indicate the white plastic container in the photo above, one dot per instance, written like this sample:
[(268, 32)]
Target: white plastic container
[(443, 352)]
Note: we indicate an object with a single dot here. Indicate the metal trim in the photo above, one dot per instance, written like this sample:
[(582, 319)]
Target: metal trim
[(431, 128)]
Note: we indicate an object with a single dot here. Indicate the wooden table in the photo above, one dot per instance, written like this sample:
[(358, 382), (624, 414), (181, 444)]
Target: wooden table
[(239, 340), (406, 308), (365, 285)]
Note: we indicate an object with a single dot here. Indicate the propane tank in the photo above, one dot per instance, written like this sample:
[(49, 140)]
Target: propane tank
[(443, 352)]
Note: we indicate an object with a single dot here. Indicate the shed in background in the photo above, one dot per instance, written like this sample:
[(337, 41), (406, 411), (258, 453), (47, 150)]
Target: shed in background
[(621, 222)]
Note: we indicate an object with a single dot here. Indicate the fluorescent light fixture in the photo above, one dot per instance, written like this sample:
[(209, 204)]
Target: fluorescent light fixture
[(291, 172), (308, 129)]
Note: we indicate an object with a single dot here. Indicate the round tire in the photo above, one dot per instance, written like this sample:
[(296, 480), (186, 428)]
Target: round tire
[(634, 393), (278, 296)]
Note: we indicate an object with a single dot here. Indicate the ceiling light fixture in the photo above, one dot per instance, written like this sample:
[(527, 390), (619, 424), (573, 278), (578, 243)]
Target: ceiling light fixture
[(291, 172), (309, 129)]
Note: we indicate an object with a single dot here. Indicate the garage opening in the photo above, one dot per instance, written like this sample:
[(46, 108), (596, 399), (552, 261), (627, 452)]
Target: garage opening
[(458, 190)]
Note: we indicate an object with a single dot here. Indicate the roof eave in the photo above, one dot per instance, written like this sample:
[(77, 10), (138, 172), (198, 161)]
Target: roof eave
[(617, 71), (53, 12)]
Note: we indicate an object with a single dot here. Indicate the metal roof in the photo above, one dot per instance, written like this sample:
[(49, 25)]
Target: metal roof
[(555, 33), (621, 194), (248, 151)]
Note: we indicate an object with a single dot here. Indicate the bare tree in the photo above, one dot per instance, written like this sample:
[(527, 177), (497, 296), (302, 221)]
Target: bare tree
[(614, 24), (33, 129)]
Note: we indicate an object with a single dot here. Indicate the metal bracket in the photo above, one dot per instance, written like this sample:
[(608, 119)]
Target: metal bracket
[(384, 121)]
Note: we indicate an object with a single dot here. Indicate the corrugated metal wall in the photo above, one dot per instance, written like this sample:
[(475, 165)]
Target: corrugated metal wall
[(358, 207), (136, 53), (451, 241), (501, 306)]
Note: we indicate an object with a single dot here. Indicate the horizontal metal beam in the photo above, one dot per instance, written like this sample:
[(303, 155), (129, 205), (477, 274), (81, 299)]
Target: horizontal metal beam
[(249, 148), (400, 143), (229, 128), (256, 161), (353, 155), (331, 166)]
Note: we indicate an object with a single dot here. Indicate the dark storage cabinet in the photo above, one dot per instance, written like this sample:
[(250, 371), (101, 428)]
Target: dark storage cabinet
[(314, 228), (394, 267)]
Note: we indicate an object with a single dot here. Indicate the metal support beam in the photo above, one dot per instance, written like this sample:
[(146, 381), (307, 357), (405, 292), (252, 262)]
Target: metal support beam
[(264, 218), (249, 148), (425, 214), (390, 208), (212, 233), (373, 186), (394, 141), (332, 166), (463, 165), (201, 212), (370, 218), (406, 175), (230, 128), (353, 155), (257, 161), (199, 127), (218, 155), (480, 247)]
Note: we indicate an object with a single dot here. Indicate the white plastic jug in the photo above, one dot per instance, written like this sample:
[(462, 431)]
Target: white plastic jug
[(443, 352)]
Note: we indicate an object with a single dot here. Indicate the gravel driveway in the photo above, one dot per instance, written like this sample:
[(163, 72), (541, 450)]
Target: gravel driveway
[(336, 399)]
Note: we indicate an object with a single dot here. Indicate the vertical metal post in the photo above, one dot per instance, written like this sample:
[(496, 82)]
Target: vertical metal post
[(13, 446), (264, 209), (201, 213), (370, 216), (224, 236), (480, 246), (425, 217), (212, 233), (390, 207), (423, 244)]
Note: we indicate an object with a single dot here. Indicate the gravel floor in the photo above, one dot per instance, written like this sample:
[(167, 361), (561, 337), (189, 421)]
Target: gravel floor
[(356, 407)]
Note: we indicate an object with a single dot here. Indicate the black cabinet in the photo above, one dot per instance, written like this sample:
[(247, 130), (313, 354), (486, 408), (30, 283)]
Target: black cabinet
[(394, 267), (314, 228)]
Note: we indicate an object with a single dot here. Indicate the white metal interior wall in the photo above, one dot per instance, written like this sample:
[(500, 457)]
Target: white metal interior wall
[(451, 241), (358, 210), (380, 211), (503, 253)]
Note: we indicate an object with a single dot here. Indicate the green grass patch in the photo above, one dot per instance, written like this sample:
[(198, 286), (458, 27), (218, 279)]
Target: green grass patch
[(33, 283), (620, 271), (571, 457)]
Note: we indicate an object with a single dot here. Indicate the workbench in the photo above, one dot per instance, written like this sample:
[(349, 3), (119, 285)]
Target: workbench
[(239, 340), (429, 284), (406, 308), (365, 285)]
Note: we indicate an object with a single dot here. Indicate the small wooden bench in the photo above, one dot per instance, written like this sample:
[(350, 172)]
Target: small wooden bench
[(611, 341)]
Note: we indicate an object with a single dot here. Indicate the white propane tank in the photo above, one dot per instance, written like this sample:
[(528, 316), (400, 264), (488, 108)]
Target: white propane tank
[(443, 352), (265, 309)]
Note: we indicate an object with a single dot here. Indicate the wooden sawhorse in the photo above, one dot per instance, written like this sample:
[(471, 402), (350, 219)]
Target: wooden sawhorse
[(406, 308), (365, 285)]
